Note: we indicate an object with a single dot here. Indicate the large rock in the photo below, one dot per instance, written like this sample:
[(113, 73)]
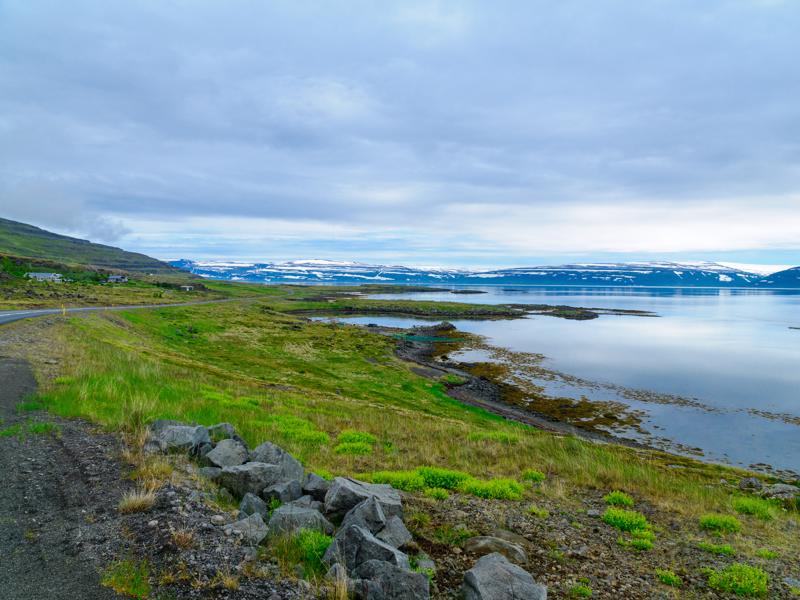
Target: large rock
[(486, 544), (289, 518), (252, 504), (285, 491), (495, 578), (367, 514), (221, 431), (250, 477), (378, 580), (345, 493), (308, 502), (395, 533), (355, 545), (781, 491), (168, 436), (211, 473), (275, 455), (251, 529), (316, 487), (227, 453)]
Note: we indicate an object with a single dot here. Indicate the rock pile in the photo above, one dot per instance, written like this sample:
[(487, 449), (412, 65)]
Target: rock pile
[(368, 551)]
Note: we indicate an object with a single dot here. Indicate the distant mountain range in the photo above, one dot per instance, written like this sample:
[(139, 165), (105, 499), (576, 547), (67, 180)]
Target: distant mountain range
[(666, 274)]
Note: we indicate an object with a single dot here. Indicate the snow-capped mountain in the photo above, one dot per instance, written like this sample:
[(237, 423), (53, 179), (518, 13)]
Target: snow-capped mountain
[(677, 274)]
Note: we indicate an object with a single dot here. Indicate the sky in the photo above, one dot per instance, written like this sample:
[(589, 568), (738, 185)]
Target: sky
[(423, 133)]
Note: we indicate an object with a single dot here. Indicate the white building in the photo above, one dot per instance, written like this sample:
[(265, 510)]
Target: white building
[(56, 277)]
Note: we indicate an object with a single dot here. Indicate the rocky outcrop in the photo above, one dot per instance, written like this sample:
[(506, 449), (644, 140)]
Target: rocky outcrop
[(486, 544), (355, 545), (495, 578), (365, 550), (227, 453), (290, 518), (344, 493)]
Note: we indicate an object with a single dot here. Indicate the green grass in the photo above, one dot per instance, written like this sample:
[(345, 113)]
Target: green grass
[(626, 520), (29, 406), (639, 539), (44, 429), (757, 507), (766, 553), (438, 477), (357, 448), (501, 437), (496, 489), (533, 476), (580, 590), (128, 577), (437, 493), (349, 436), (719, 524), (719, 549), (12, 431), (617, 498), (537, 511), (408, 481), (740, 579), (452, 536), (305, 547), (668, 578)]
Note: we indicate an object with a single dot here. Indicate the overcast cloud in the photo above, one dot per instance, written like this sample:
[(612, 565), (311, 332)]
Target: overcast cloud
[(451, 133)]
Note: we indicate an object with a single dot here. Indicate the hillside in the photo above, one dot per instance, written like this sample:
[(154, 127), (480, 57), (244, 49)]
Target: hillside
[(27, 241), (790, 278)]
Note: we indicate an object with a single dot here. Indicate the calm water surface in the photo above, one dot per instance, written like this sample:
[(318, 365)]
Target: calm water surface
[(732, 351)]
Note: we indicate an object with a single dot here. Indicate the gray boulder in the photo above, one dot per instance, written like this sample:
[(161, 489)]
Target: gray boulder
[(486, 544), (227, 453), (168, 436), (395, 533), (274, 455), (345, 493), (289, 518), (211, 473), (316, 487), (308, 502), (221, 431), (252, 504), (367, 514), (285, 491), (355, 545), (250, 477), (251, 529), (495, 578), (781, 491), (378, 580), (750, 484)]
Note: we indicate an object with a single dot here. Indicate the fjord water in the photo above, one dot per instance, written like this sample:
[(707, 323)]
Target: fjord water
[(731, 350)]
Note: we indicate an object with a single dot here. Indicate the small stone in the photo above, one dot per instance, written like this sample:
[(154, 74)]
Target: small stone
[(153, 523), (218, 520), (486, 544), (593, 512)]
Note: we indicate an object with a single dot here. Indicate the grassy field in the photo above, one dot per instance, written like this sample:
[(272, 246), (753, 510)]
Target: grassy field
[(303, 383)]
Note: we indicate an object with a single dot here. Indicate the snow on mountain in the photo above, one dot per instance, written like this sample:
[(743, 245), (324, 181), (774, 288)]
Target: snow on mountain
[(657, 273)]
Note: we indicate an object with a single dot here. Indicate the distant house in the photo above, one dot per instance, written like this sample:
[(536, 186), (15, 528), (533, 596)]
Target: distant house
[(187, 288), (56, 277), (117, 279)]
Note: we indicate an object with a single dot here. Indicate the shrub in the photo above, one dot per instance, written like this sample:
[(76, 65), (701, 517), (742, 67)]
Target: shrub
[(580, 591), (357, 448), (304, 547), (442, 478), (498, 489), (128, 577), (494, 436), (625, 520), (437, 493), (617, 498), (537, 511), (721, 549), (533, 476), (756, 507), (351, 436), (720, 524), (668, 578), (740, 579), (408, 481)]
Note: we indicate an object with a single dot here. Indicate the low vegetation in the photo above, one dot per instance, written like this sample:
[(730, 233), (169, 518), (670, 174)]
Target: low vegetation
[(128, 577), (757, 507), (740, 579), (720, 524), (306, 547), (720, 549), (617, 498), (669, 578)]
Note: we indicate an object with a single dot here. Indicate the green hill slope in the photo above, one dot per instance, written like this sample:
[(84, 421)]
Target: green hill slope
[(19, 239)]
